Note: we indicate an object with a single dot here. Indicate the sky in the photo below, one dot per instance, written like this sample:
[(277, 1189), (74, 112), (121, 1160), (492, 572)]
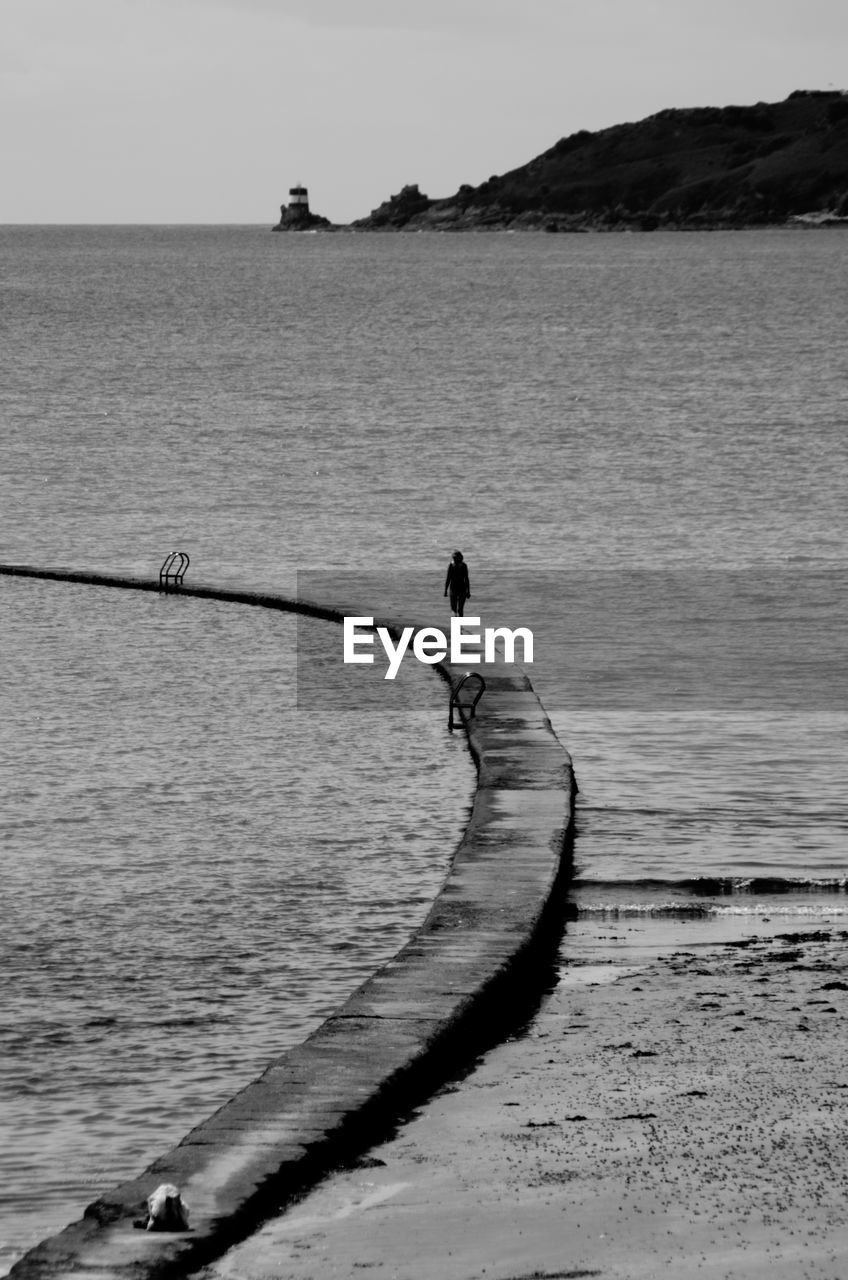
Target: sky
[(208, 111)]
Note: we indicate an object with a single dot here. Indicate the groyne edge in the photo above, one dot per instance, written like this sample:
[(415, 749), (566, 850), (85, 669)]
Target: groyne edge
[(472, 972)]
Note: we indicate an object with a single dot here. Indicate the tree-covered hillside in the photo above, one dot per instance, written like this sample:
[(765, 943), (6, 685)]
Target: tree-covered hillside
[(692, 167)]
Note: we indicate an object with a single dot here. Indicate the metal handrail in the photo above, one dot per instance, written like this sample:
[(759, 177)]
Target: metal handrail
[(173, 569), (463, 707)]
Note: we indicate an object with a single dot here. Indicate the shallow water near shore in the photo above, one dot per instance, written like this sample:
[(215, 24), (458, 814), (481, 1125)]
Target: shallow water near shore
[(640, 444)]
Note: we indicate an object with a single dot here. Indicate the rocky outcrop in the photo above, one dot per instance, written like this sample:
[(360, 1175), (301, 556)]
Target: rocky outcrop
[(299, 218), (398, 211)]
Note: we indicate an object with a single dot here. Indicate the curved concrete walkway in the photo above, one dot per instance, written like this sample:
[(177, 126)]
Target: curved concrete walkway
[(474, 969)]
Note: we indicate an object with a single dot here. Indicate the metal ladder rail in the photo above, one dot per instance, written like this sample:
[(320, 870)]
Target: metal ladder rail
[(463, 707), (173, 569)]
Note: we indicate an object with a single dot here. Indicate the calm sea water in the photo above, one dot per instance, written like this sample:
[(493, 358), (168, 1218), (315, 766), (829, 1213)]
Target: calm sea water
[(640, 443)]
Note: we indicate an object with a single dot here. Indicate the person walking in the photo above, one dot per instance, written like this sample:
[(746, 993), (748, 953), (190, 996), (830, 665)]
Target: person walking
[(457, 583)]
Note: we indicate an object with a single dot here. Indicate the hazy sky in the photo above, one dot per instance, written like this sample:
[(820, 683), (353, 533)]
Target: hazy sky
[(209, 110)]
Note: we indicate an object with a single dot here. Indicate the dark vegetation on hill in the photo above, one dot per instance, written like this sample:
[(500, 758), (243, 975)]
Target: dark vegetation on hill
[(696, 167)]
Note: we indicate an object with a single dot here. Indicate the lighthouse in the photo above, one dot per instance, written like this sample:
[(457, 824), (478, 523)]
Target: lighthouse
[(295, 215), (299, 200)]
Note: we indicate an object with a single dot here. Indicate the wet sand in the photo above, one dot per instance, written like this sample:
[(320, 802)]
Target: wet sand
[(678, 1107)]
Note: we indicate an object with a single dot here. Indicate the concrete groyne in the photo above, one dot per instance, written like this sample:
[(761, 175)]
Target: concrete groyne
[(473, 970)]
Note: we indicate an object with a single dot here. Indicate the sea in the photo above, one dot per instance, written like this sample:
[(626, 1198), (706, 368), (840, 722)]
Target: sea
[(639, 441)]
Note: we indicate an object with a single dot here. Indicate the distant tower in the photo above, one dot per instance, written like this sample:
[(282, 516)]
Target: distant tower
[(295, 215), (299, 200)]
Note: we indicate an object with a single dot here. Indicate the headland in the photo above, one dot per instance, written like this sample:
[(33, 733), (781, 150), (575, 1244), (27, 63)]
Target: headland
[(771, 164)]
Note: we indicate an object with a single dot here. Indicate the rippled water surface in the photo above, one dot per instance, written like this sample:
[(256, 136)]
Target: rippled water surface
[(640, 442), (195, 872)]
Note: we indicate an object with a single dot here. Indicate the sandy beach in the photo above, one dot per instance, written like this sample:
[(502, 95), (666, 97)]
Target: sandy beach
[(679, 1106)]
